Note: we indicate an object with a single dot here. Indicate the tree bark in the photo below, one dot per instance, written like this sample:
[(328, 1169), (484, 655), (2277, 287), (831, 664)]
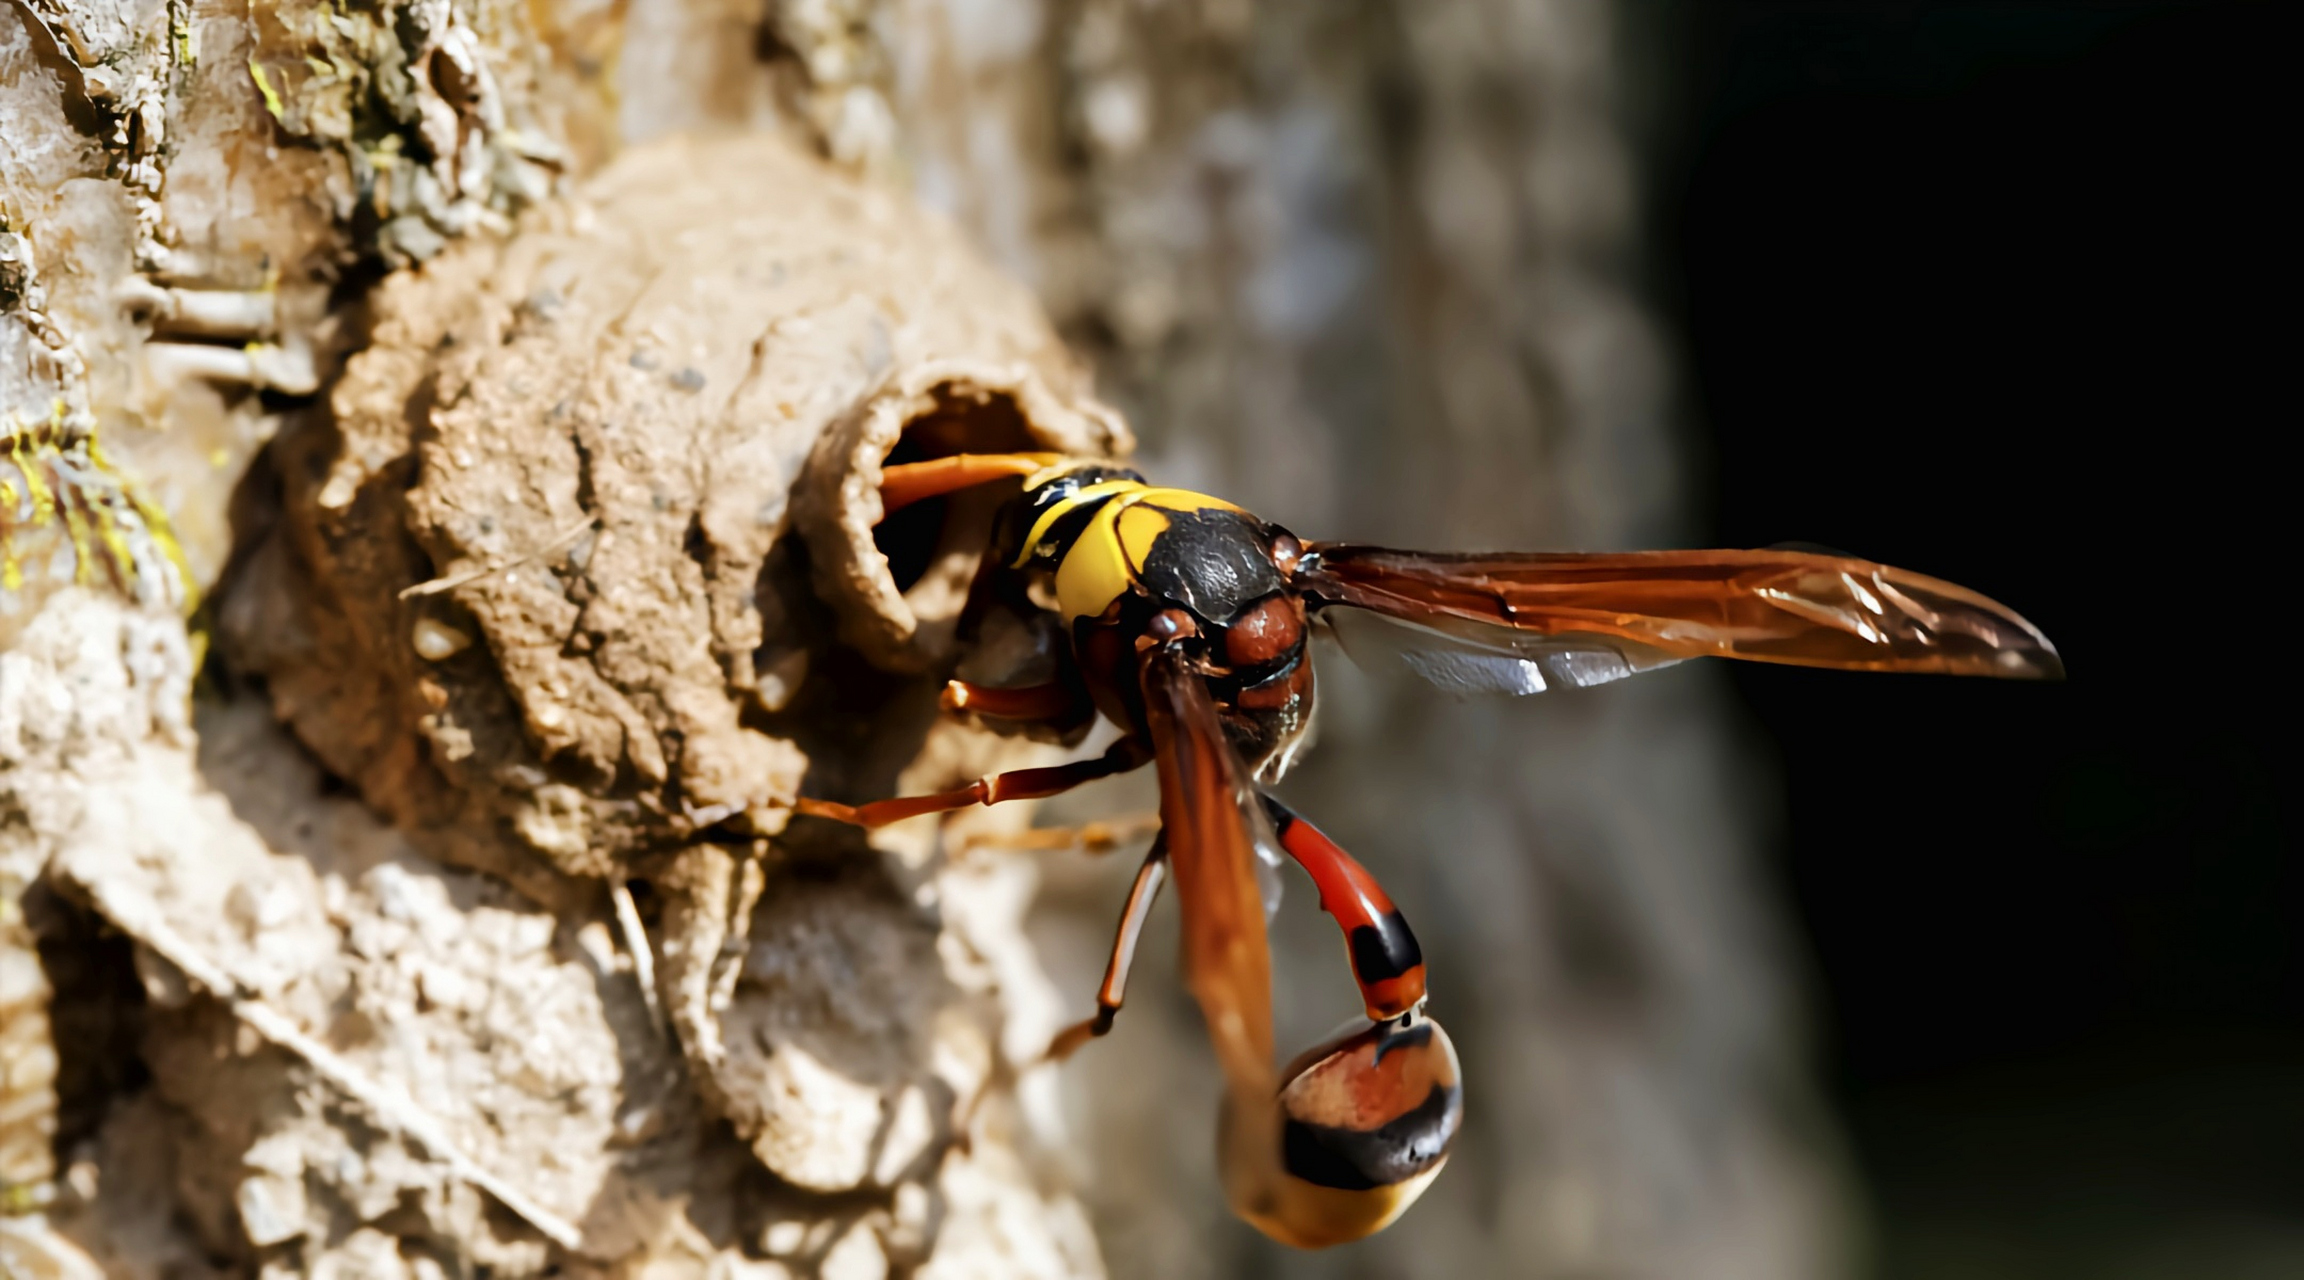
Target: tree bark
[(499, 404)]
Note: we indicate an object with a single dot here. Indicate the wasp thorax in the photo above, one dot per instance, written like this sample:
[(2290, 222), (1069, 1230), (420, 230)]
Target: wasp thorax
[(1058, 503), (1265, 633), (1366, 1120)]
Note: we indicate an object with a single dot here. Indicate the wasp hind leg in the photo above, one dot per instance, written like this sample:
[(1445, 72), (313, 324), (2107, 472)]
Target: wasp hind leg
[(1109, 997)]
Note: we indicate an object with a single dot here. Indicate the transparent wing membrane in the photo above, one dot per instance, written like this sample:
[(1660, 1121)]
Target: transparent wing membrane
[(1468, 658)]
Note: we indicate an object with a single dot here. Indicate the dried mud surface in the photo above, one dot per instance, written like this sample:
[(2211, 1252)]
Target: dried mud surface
[(523, 585), (458, 926)]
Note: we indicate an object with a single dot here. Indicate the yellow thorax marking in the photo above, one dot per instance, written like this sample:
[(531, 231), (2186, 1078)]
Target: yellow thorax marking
[(1049, 517), (1104, 561)]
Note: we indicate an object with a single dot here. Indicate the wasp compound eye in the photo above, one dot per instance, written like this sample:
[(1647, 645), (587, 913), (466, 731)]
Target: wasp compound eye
[(1366, 1121)]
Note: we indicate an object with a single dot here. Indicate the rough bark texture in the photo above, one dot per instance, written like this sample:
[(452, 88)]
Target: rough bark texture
[(454, 923)]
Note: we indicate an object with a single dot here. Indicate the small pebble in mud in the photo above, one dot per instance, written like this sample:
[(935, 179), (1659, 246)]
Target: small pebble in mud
[(637, 1124), (783, 1239), (779, 679), (436, 641)]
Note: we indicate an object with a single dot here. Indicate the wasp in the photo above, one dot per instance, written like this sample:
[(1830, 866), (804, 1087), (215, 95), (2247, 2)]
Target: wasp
[(1185, 621)]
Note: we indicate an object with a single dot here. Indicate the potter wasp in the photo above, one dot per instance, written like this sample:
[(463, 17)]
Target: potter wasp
[(1184, 620)]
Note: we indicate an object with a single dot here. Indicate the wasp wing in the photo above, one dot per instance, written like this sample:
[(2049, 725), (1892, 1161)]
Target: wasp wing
[(1473, 658), (1212, 853), (1589, 618)]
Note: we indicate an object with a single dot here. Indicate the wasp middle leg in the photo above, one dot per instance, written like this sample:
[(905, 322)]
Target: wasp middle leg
[(1018, 784)]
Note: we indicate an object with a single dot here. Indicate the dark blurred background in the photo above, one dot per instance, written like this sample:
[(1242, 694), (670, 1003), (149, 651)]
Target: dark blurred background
[(1995, 291)]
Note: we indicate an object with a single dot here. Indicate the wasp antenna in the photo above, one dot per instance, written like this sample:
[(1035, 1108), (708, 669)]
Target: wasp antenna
[(892, 561), (909, 482)]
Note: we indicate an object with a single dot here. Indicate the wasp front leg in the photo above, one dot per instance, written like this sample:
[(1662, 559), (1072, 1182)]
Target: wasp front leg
[(1058, 702), (1387, 963), (1004, 635)]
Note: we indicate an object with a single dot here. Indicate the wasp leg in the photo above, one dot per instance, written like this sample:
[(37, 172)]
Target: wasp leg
[(1109, 997), (1101, 836), (1019, 784), (1000, 594), (910, 482), (1386, 961), (1058, 701)]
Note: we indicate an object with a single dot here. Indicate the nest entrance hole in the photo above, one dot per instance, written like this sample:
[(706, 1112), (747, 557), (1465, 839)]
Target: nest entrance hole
[(917, 538)]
